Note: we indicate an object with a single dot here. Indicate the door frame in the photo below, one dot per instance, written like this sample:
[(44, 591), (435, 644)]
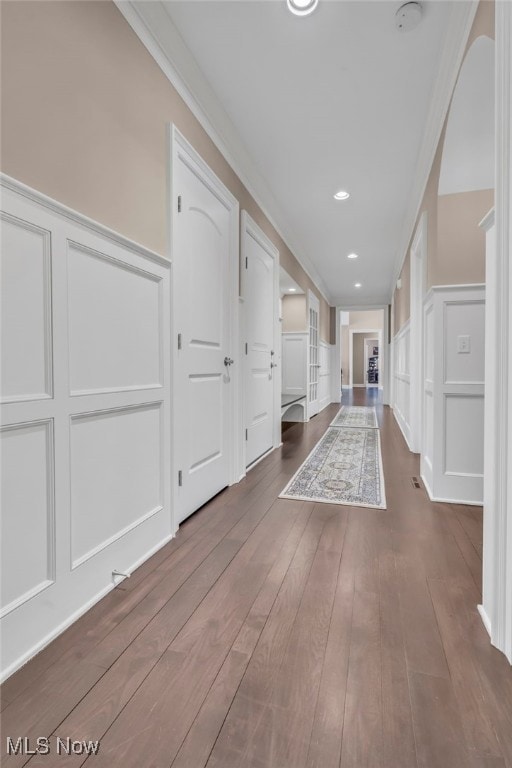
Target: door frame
[(378, 335), (418, 285), (180, 150), (366, 359), (316, 302), (249, 228)]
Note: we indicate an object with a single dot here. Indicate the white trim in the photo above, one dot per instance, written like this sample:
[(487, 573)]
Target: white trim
[(497, 555), (76, 615), (54, 206), (249, 227), (485, 619), (419, 255), (181, 148), (378, 333), (156, 30), (457, 35)]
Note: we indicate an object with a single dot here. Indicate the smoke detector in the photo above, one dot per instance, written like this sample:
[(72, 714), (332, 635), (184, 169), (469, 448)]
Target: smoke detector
[(408, 17)]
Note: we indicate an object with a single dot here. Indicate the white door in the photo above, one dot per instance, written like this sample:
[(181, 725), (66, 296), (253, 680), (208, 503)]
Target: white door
[(259, 270), (204, 218), (314, 362)]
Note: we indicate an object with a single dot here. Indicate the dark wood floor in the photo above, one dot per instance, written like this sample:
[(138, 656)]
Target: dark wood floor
[(280, 634)]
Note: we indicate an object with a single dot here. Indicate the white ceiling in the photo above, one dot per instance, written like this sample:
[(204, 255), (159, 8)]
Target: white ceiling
[(338, 99)]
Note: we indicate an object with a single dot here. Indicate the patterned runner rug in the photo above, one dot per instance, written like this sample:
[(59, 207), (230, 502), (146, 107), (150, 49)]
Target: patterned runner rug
[(345, 467), (361, 416)]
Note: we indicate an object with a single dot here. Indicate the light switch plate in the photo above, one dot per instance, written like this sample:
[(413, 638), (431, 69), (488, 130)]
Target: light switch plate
[(463, 344)]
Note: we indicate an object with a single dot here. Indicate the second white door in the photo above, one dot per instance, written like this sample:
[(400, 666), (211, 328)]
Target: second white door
[(259, 270)]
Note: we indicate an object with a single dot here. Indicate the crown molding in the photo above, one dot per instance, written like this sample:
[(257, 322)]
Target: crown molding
[(157, 32), (457, 35)]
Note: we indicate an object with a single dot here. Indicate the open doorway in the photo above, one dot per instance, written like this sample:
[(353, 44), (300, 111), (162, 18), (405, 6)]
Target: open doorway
[(294, 349), (361, 336)]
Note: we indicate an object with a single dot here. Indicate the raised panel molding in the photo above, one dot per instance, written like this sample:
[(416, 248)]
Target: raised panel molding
[(124, 512), (113, 348), (28, 512), (26, 306), (294, 362), (402, 381), (116, 475), (452, 456)]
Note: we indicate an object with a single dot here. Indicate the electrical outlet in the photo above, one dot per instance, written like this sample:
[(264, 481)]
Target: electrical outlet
[(463, 344)]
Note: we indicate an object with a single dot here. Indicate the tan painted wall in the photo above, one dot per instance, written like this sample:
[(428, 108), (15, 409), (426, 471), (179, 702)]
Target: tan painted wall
[(358, 355), (371, 318), (460, 256), (437, 270), (294, 314), (84, 118)]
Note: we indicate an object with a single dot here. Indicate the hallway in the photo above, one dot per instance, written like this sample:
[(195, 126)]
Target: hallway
[(279, 634)]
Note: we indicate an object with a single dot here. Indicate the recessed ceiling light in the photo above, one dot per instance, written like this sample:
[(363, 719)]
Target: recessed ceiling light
[(357, 285), (352, 256), (292, 290), (301, 7), (341, 195)]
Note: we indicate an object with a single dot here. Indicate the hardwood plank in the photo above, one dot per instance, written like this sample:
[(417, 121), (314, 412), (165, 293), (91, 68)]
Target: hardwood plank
[(362, 726), (440, 740), (464, 676), (398, 747), (288, 718), (203, 734), (255, 689)]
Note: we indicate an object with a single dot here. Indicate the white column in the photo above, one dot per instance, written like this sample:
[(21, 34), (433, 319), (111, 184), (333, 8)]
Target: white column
[(496, 608)]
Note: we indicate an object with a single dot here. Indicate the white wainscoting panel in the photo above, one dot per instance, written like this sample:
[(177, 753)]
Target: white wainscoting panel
[(294, 361), (452, 462), (402, 380), (28, 525), (86, 460), (26, 334), (115, 323), (116, 475)]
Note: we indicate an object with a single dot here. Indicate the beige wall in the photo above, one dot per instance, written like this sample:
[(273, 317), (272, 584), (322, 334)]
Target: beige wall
[(438, 269), (85, 111), (294, 314), (358, 355), (460, 256)]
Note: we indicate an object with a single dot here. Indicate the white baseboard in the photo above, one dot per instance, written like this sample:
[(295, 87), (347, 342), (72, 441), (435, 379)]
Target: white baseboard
[(324, 403), (39, 646), (443, 500), (401, 424), (485, 619), (346, 386), (260, 458), (362, 386)]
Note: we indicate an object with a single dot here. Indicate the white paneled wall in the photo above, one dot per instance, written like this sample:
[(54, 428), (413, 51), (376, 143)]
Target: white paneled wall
[(85, 431), (324, 377), (294, 354), (402, 380), (452, 463)]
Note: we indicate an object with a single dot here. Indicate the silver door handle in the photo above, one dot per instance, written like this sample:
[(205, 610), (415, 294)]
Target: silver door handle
[(273, 365), (228, 361)]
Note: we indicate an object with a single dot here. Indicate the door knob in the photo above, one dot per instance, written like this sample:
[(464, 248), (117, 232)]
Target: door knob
[(228, 361)]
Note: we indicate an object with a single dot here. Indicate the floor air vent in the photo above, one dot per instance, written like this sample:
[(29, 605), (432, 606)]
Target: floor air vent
[(415, 482)]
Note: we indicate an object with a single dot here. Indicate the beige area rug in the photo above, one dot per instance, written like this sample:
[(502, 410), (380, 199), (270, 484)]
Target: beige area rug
[(345, 467), (361, 416)]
